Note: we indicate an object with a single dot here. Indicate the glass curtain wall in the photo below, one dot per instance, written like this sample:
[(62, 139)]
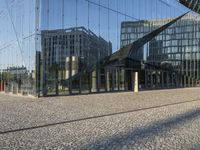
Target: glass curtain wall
[(17, 46), (76, 34), (46, 46)]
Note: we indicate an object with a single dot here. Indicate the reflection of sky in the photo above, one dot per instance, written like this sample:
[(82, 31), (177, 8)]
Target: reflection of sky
[(22, 17), (99, 24), (107, 26)]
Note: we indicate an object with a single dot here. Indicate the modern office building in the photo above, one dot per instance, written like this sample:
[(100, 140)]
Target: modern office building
[(178, 46), (68, 51), (79, 42)]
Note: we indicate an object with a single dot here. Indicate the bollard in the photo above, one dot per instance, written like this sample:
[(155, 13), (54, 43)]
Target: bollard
[(135, 81), (1, 85)]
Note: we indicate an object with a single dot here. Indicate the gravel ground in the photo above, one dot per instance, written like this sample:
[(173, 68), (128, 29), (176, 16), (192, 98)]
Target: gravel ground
[(162, 119)]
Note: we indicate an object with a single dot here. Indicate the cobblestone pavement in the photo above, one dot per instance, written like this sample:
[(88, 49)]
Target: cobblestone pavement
[(162, 119)]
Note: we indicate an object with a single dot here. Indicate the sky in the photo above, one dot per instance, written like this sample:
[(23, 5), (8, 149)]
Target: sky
[(92, 14)]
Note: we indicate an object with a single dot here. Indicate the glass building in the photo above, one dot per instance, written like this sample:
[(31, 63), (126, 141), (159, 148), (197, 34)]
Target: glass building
[(62, 47), (178, 46)]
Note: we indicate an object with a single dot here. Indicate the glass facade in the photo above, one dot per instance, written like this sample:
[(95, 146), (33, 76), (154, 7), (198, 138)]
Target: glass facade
[(59, 47), (18, 46), (178, 46)]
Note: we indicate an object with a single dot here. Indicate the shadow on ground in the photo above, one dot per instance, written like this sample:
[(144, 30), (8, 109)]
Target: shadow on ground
[(158, 128), (92, 117)]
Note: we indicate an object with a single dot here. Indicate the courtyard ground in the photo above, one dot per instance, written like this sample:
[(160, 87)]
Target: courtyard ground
[(160, 119)]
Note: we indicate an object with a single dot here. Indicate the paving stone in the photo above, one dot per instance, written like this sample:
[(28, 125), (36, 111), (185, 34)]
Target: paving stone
[(102, 121)]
